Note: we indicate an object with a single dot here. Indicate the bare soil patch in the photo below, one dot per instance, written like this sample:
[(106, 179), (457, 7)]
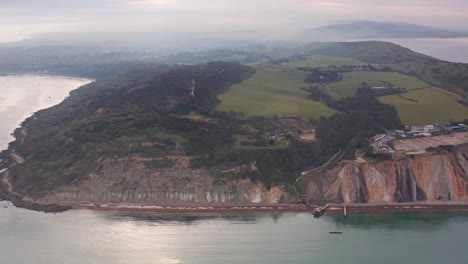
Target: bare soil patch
[(308, 137), (419, 145)]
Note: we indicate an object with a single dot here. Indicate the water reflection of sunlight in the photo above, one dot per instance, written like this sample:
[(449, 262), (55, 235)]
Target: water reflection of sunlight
[(173, 239), (24, 94), (170, 261), (132, 240)]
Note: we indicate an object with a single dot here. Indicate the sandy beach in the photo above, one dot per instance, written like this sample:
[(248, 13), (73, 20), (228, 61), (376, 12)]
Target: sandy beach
[(333, 209)]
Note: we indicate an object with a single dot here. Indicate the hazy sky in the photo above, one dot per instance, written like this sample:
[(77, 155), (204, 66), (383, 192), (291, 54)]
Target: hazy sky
[(23, 18)]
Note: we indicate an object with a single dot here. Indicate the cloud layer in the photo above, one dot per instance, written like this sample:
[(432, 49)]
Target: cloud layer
[(23, 18)]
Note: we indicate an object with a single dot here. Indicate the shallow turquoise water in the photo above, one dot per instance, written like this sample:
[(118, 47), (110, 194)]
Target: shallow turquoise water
[(102, 237)]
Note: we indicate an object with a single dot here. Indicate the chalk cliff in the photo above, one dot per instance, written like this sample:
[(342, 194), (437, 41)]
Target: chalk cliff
[(422, 178)]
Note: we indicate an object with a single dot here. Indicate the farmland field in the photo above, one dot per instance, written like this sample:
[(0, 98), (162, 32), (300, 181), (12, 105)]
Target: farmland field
[(352, 81), (433, 106), (273, 92), (347, 88)]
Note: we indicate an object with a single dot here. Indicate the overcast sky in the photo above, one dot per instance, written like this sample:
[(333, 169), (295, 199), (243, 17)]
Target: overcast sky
[(24, 18)]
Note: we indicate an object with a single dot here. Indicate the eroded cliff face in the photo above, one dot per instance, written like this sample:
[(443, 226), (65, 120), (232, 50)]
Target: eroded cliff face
[(441, 177), (421, 178), (137, 181)]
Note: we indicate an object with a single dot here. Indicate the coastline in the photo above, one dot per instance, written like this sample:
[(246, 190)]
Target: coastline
[(49, 75), (16, 120), (23, 95), (333, 209), (188, 209), (336, 209)]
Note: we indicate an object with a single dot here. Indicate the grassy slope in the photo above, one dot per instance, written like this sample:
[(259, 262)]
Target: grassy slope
[(323, 61), (434, 106), (352, 81), (273, 91), (367, 51), (453, 76)]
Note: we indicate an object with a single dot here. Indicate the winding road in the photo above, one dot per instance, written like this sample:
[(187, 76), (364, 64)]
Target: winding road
[(303, 196)]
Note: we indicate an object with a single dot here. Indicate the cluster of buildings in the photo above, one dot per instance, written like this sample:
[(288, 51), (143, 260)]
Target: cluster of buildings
[(275, 138), (419, 131), (429, 130), (345, 68), (386, 86), (380, 143), (350, 68)]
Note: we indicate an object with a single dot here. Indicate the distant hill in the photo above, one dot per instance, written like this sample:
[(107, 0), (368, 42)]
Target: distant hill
[(92, 61), (373, 30), (368, 51)]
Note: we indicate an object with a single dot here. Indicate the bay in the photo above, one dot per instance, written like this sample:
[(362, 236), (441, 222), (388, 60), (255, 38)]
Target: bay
[(22, 95)]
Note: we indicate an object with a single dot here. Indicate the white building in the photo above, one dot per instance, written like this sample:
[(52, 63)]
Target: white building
[(429, 128)]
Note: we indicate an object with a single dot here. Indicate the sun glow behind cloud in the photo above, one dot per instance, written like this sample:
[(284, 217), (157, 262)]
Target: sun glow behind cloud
[(154, 2)]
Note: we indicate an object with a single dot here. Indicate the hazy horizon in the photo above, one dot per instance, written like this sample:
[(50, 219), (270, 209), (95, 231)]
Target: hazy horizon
[(261, 19)]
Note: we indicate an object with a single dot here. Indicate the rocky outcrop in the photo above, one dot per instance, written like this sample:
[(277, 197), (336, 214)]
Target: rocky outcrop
[(421, 178), (138, 181)]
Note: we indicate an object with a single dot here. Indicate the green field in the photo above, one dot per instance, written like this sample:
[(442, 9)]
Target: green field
[(352, 81), (447, 75), (273, 92), (323, 61), (434, 106), (347, 88)]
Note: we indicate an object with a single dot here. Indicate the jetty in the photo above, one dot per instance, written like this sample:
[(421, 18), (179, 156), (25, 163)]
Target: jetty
[(319, 211)]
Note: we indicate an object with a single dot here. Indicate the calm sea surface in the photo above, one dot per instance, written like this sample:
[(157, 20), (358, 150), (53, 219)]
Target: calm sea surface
[(88, 237), (114, 238), (22, 95)]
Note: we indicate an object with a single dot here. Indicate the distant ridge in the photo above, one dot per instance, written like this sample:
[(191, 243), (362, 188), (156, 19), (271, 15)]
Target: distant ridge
[(374, 30)]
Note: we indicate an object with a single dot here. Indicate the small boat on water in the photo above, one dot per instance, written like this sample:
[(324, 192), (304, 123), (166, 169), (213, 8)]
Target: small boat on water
[(336, 233)]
